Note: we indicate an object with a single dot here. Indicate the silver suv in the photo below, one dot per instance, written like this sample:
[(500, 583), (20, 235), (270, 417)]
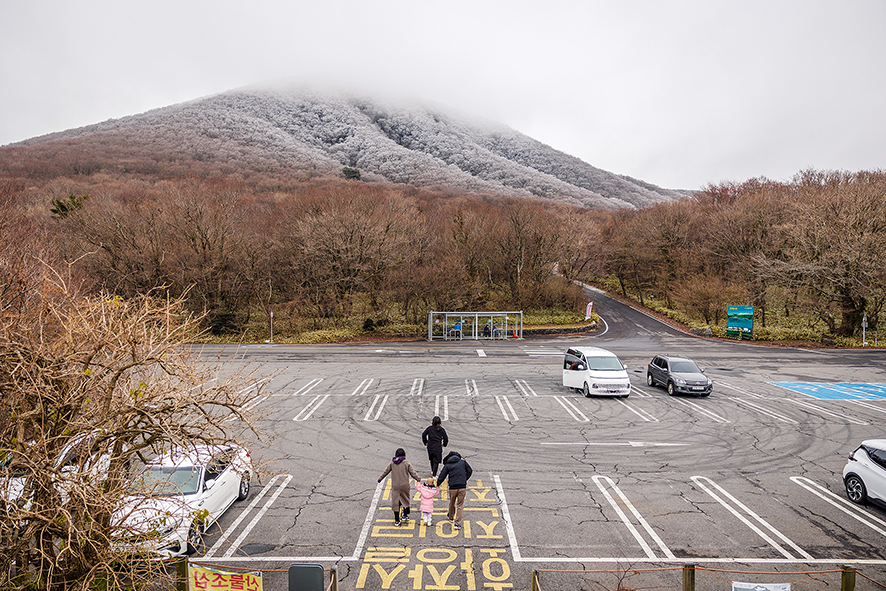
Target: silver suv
[(679, 375)]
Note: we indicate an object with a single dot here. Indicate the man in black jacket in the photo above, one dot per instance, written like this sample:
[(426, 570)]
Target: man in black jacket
[(458, 471), (435, 439)]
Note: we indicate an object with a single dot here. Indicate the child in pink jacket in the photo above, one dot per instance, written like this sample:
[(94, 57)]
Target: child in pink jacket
[(428, 491)]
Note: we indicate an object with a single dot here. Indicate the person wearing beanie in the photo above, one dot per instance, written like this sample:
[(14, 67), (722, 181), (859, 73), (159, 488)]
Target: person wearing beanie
[(400, 470)]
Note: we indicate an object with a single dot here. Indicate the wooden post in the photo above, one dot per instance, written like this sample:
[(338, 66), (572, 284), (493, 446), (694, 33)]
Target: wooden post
[(533, 580), (688, 577), (333, 579), (181, 574), (847, 582)]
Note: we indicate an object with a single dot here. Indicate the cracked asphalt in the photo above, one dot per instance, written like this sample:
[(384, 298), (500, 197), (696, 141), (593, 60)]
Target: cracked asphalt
[(748, 479)]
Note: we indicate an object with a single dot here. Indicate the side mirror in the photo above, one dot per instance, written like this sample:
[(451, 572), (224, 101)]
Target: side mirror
[(209, 484), (579, 367)]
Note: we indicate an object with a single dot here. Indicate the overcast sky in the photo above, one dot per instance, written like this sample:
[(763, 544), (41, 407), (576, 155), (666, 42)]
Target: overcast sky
[(676, 93)]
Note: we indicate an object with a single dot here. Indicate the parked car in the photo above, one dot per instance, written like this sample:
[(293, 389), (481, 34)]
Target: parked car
[(596, 372), (864, 475), (679, 375), (180, 494)]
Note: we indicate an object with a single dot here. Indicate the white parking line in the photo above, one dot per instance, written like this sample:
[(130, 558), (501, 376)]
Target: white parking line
[(471, 387), (481, 353), (224, 538), (307, 387), (638, 411), (312, 406), (363, 387), (742, 390), (640, 392), (418, 385), (573, 410), (445, 414), (506, 517), (698, 480), (524, 387), (711, 415), (817, 408), (868, 405), (763, 410), (236, 545), (369, 416), (856, 512), (598, 480), (504, 402)]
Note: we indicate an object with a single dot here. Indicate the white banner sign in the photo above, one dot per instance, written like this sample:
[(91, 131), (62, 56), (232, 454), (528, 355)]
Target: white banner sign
[(760, 586)]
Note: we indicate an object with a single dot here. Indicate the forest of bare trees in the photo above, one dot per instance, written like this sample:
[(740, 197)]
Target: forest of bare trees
[(331, 252)]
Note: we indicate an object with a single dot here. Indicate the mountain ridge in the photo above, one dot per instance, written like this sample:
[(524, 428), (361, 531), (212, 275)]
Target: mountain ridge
[(288, 130)]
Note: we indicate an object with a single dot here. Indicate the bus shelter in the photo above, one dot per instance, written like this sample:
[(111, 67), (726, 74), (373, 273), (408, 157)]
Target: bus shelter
[(475, 325)]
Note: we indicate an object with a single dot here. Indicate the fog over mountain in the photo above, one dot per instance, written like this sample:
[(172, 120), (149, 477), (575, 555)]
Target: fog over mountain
[(292, 131)]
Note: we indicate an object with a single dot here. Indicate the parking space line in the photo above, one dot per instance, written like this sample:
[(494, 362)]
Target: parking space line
[(224, 538), (504, 402), (506, 517), (868, 405), (640, 392), (711, 415), (363, 387), (524, 387), (638, 411), (481, 353), (236, 545), (369, 416), (841, 504), (418, 385), (573, 410), (471, 388), (698, 480), (742, 390), (312, 406), (307, 387), (827, 412), (445, 414), (598, 480), (763, 410)]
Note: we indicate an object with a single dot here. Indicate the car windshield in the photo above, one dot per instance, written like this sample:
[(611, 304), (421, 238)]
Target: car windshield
[(684, 367), (163, 481), (604, 364)]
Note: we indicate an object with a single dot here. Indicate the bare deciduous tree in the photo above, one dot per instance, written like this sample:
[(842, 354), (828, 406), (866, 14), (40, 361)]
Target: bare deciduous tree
[(115, 376)]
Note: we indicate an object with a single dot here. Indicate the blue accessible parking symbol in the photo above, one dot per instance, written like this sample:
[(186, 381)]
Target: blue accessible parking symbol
[(836, 391)]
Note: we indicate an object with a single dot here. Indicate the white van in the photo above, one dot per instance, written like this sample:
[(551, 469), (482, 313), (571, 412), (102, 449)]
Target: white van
[(596, 372)]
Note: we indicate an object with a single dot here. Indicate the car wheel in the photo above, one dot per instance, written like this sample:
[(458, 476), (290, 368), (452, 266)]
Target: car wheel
[(649, 380), (586, 391), (195, 539), (244, 488), (855, 490), (670, 388)]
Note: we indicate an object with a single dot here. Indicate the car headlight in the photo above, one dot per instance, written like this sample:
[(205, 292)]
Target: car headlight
[(680, 381), (710, 382), (169, 524)]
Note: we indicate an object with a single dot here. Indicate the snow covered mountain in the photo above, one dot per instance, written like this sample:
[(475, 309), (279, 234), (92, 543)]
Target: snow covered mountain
[(297, 131)]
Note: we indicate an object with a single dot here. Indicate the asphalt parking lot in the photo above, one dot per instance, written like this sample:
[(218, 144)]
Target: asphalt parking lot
[(746, 480)]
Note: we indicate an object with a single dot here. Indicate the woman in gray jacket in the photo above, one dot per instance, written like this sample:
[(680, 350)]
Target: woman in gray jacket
[(401, 488)]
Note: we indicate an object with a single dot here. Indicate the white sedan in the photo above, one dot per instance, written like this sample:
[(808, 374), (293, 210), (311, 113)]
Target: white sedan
[(180, 494)]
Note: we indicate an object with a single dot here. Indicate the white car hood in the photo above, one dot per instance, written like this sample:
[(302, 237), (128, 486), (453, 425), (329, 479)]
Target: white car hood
[(142, 515)]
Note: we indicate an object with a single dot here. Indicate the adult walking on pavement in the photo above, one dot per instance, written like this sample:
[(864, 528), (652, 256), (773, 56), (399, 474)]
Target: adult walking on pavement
[(458, 471), (435, 439), (400, 470)]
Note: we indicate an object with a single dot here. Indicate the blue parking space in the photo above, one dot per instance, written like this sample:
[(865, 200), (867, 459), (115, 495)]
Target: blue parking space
[(836, 391)]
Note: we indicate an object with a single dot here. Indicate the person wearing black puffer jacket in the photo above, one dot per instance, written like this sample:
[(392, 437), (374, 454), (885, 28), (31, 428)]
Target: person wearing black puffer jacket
[(435, 439), (458, 471)]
